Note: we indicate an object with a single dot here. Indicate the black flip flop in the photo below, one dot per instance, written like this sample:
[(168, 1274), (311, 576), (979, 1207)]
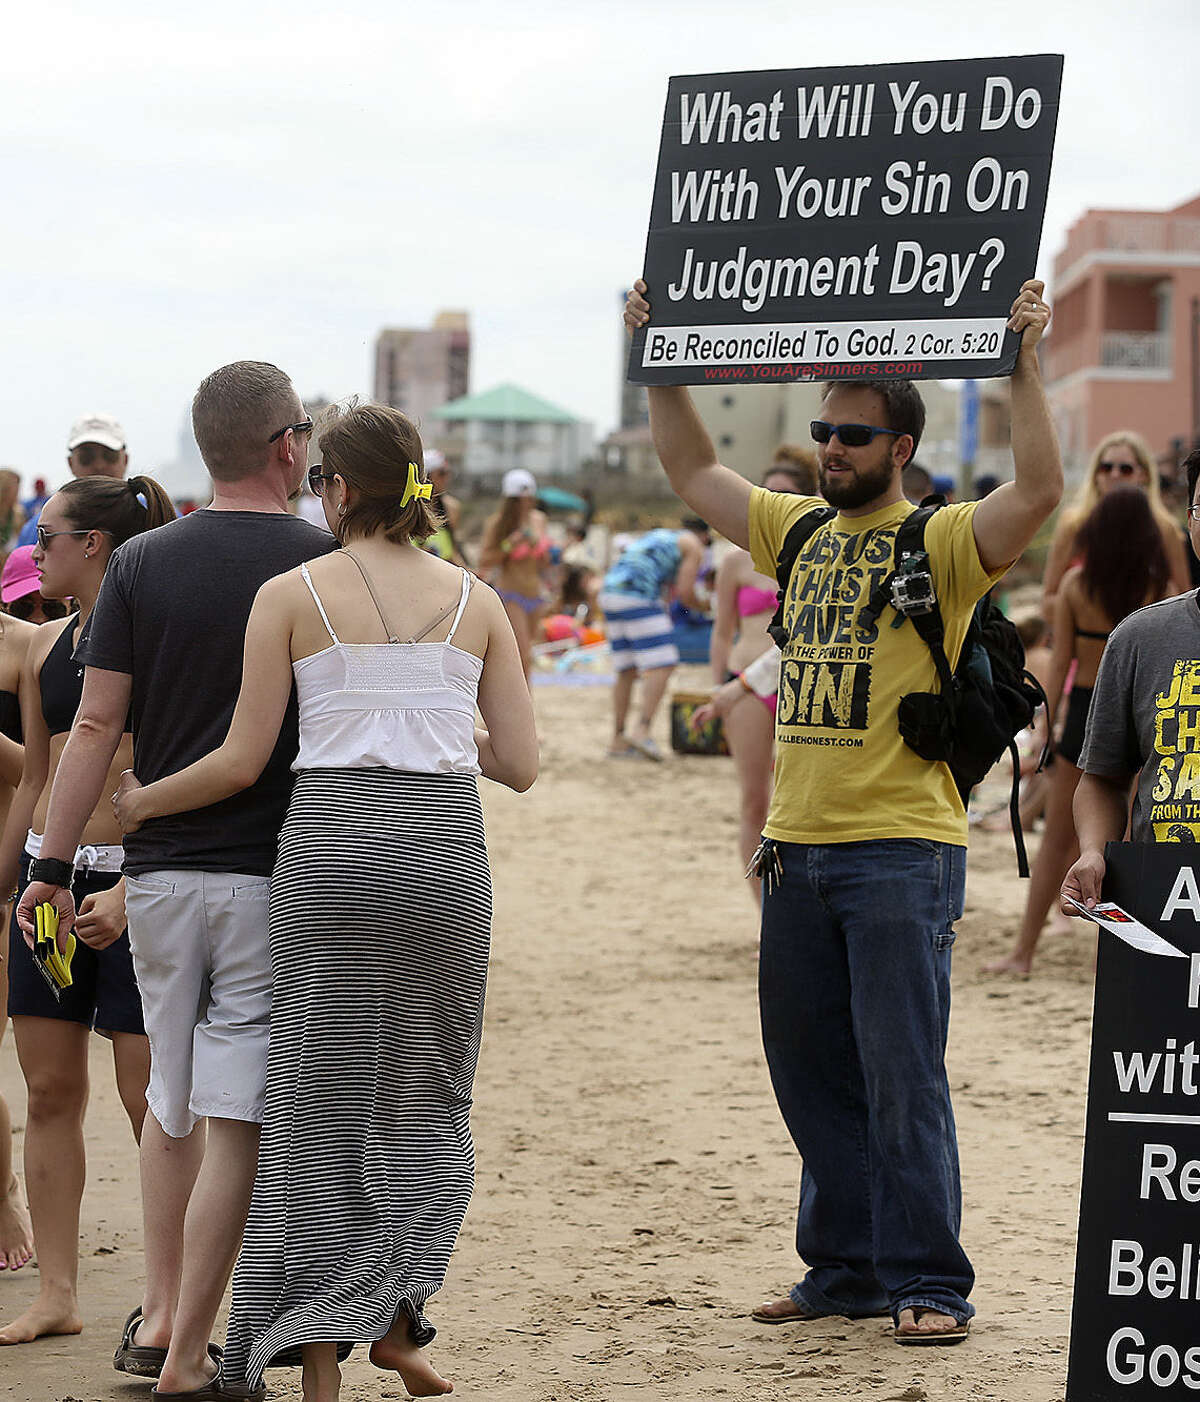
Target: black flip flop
[(210, 1392), (137, 1359), (141, 1361)]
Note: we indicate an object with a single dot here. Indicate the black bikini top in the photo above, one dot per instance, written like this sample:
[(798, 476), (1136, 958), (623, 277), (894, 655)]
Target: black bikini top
[(1085, 633), (10, 716), (61, 683)]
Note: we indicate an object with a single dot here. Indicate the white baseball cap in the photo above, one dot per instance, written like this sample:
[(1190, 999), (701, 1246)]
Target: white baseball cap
[(96, 428), (518, 482)]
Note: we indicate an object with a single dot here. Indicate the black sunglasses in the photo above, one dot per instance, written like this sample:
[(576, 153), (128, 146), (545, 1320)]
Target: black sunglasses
[(305, 427), (1125, 469), (317, 479), (27, 605), (44, 537), (851, 435)]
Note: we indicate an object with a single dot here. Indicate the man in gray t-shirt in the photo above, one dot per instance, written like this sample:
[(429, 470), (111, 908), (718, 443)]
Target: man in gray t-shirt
[(1144, 721)]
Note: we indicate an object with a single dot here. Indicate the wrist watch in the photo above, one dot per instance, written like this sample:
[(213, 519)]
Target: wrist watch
[(52, 870)]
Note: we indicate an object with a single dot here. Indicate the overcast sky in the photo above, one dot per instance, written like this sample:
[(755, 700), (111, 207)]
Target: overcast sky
[(250, 180)]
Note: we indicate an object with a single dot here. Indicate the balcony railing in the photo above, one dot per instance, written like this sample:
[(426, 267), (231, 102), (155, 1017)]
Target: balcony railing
[(1136, 350), (1130, 233)]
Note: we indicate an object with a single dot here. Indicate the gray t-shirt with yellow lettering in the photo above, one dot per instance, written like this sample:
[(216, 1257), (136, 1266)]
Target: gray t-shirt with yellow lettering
[(1145, 718)]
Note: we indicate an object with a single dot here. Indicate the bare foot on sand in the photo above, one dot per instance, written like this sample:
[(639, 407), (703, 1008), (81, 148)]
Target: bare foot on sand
[(397, 1351), (45, 1316), (1019, 964), (16, 1230)]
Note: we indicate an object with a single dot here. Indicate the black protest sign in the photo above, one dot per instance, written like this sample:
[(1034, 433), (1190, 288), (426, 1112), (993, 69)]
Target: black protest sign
[(1135, 1327), (846, 222)]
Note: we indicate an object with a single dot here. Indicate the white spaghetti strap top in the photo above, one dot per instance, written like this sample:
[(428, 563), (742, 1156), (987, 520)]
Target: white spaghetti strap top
[(403, 704), (312, 589), (462, 603)]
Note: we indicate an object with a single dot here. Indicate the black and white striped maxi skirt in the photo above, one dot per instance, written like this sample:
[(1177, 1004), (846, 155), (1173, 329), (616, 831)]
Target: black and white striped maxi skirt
[(380, 919)]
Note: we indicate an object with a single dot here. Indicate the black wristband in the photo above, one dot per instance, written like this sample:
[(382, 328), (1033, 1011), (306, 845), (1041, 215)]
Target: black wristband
[(52, 871)]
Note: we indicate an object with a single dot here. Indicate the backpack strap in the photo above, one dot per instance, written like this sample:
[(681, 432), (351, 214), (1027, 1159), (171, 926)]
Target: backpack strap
[(910, 540), (1014, 811), (795, 541), (930, 628)]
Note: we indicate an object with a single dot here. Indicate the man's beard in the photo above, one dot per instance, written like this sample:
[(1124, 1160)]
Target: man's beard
[(862, 487)]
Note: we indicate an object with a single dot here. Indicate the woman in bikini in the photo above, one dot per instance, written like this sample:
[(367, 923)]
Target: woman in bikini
[(1123, 459), (744, 606), (1123, 566), (79, 528), (514, 554)]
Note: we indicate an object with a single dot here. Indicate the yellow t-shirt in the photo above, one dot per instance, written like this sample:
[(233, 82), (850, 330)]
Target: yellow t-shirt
[(842, 772)]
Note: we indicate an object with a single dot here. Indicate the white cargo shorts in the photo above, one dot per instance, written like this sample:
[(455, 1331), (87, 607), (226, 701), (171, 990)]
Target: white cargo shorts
[(203, 965)]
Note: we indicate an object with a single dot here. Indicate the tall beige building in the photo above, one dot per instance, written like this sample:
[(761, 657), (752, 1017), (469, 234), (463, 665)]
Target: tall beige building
[(417, 371)]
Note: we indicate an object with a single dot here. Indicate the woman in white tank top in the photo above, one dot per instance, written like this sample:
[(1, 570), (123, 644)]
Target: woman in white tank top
[(380, 913)]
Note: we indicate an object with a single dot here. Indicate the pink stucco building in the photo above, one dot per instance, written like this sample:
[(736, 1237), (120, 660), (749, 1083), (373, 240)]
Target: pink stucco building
[(1120, 353)]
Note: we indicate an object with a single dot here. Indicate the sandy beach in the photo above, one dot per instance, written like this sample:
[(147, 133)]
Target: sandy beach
[(636, 1187)]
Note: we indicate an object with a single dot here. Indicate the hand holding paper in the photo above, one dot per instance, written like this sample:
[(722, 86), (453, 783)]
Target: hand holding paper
[(1081, 887)]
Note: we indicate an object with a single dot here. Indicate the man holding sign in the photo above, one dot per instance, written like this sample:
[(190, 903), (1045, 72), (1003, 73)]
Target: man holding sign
[(864, 848)]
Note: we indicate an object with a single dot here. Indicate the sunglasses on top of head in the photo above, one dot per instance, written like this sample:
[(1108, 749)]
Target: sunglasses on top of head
[(850, 435), (1124, 469)]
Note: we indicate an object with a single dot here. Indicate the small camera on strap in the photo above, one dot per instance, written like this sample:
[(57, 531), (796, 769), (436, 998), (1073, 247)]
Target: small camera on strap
[(912, 590)]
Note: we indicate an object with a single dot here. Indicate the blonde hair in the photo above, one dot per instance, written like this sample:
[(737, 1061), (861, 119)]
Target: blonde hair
[(1089, 493), (10, 488)]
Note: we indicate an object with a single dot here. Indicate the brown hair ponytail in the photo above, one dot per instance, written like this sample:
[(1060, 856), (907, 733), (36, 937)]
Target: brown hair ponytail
[(122, 509)]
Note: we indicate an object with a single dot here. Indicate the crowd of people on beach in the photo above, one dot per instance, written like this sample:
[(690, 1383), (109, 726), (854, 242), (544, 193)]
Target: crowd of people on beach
[(256, 731), (325, 747)]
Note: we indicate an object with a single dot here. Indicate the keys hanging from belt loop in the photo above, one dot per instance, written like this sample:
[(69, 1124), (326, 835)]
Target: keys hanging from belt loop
[(766, 864)]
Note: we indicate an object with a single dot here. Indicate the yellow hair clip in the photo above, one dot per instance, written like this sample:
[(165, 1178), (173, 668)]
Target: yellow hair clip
[(415, 488)]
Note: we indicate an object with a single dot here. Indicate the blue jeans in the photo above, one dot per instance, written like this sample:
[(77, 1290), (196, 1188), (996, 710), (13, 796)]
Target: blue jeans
[(854, 992)]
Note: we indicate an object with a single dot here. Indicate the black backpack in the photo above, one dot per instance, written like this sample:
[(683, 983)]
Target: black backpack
[(983, 703)]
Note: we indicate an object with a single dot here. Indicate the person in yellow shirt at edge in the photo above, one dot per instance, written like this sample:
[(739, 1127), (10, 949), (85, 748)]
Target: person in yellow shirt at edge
[(854, 971)]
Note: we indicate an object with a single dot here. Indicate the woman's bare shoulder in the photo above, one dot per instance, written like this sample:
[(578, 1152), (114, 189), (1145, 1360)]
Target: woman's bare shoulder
[(17, 635)]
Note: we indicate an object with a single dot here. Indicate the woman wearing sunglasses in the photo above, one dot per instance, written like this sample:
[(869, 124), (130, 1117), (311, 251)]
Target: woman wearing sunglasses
[(1123, 459), (79, 528), (380, 912), (1123, 565)]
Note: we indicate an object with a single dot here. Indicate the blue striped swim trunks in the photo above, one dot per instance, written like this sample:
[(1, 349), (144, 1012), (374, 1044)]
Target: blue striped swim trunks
[(639, 632)]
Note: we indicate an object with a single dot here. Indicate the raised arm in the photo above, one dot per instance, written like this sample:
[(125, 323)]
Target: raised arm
[(262, 701), (686, 451), (1009, 518)]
